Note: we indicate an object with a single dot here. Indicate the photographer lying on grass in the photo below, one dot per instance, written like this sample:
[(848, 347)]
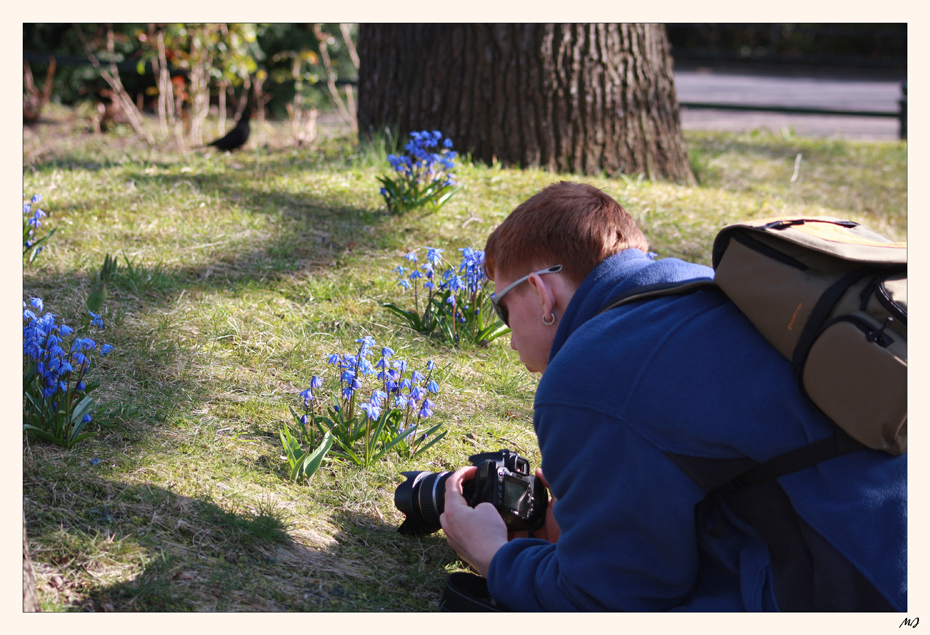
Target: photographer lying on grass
[(636, 409)]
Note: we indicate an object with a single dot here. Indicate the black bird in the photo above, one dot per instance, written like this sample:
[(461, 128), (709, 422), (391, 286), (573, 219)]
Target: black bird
[(236, 137)]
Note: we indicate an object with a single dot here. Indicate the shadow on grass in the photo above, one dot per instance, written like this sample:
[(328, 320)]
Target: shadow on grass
[(317, 234), (194, 554)]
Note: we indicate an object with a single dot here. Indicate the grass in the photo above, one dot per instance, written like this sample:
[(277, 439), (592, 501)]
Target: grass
[(238, 275)]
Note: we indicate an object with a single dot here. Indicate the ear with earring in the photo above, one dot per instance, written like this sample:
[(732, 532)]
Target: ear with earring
[(551, 319)]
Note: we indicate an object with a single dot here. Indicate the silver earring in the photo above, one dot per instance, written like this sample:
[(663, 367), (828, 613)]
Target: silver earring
[(551, 321)]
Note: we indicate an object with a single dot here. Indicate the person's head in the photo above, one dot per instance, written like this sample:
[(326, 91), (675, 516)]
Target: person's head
[(574, 225)]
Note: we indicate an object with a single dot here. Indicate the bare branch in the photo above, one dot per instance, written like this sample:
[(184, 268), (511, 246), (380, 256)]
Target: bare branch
[(135, 117)]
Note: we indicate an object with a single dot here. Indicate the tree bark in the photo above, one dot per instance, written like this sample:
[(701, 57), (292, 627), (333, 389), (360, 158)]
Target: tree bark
[(30, 604), (579, 98)]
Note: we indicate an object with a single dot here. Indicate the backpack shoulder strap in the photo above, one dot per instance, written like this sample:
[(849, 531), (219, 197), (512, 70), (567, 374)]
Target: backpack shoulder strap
[(837, 444), (658, 290)]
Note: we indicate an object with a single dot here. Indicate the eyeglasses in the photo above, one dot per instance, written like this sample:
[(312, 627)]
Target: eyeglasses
[(499, 308)]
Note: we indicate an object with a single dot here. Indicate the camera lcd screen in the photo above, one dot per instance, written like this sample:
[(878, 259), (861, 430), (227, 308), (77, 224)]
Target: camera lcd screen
[(514, 493)]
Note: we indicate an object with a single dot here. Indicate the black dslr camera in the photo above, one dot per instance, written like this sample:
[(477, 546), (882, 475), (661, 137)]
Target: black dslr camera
[(503, 479)]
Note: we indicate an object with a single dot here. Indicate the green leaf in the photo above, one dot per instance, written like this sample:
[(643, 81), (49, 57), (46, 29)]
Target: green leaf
[(431, 442), (42, 434), (492, 332), (81, 409), (75, 441), (291, 448), (96, 299), (415, 322), (312, 461)]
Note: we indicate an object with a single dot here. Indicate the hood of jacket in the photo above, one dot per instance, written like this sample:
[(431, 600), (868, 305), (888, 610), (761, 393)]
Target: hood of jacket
[(618, 274)]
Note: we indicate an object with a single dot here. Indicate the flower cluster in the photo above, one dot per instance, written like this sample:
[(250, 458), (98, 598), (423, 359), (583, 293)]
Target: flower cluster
[(454, 299), (421, 163), (55, 369), (425, 173), (32, 243), (376, 405), (396, 390)]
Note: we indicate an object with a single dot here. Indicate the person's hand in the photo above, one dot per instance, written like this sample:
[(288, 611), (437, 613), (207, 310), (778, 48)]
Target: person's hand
[(550, 530), (475, 533)]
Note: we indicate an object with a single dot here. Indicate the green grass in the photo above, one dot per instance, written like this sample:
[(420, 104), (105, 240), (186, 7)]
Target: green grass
[(238, 274)]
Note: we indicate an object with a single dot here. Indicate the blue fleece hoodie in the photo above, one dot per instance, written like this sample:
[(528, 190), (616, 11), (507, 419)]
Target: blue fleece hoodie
[(645, 408)]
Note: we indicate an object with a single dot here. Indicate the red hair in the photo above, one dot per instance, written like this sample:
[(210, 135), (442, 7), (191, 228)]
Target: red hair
[(572, 224)]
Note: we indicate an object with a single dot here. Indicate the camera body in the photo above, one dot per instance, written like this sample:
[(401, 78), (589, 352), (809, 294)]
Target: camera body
[(503, 479)]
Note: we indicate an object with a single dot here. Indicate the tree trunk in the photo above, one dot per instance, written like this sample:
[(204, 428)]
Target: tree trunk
[(30, 604), (580, 98)]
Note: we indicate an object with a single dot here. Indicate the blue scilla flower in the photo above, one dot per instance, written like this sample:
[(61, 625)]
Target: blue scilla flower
[(367, 342), (365, 367), (400, 402), (434, 255), (34, 221), (430, 365), (307, 396), (387, 352), (86, 419), (371, 410), (105, 350), (96, 321), (412, 256), (417, 376), (67, 330), (37, 303), (651, 255), (432, 386), (455, 283), (426, 410), (332, 359), (316, 382)]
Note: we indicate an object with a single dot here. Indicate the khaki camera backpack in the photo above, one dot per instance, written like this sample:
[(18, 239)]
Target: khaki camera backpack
[(831, 296)]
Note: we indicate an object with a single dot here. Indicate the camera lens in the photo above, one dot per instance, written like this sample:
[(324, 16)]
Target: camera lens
[(421, 499)]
